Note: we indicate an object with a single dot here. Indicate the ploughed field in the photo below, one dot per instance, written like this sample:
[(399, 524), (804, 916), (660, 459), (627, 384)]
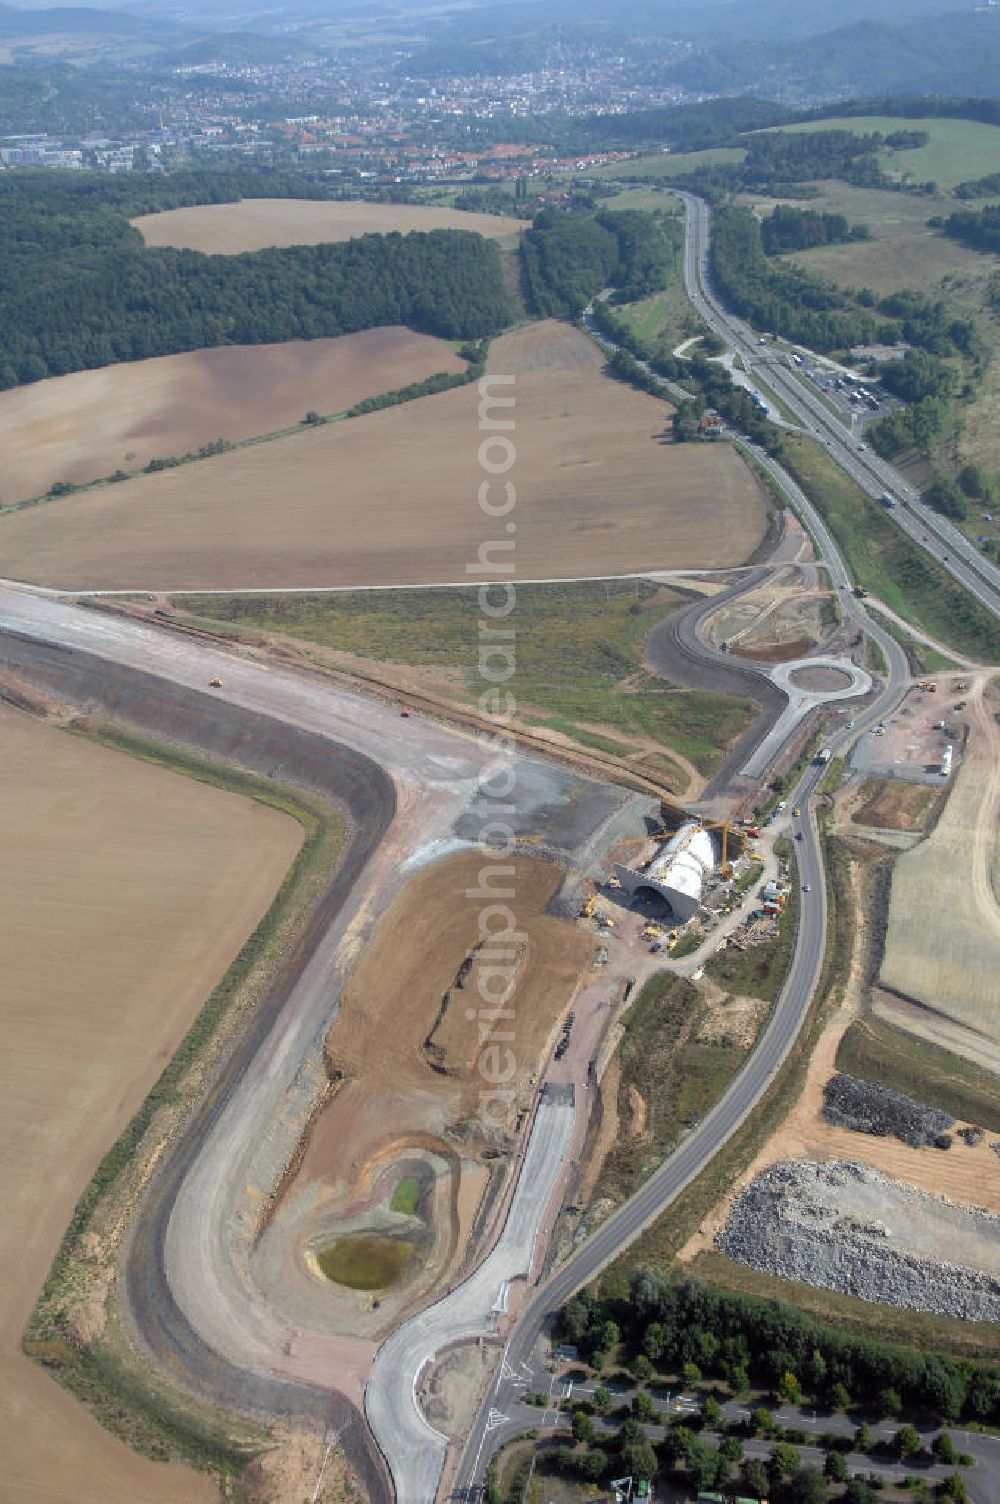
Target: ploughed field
[(130, 893), (253, 224), (391, 498), (81, 427)]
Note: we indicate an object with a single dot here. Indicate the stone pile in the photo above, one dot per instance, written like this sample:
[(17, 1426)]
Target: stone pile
[(850, 1102), (784, 1223)]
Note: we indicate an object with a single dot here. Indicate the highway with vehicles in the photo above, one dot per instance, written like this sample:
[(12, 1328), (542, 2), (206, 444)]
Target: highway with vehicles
[(189, 1291), (875, 476), (492, 1426), (496, 1421)]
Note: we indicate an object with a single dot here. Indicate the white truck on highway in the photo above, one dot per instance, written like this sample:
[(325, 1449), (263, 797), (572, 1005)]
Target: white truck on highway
[(824, 755), (888, 500)]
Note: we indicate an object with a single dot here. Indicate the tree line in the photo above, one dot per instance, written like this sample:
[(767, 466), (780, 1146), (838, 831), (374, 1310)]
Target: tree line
[(698, 1330), (79, 289), (790, 229)]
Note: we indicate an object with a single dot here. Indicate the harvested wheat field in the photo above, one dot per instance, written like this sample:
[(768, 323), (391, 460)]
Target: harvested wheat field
[(126, 893), (81, 427), (406, 1111), (391, 498), (943, 943), (253, 224)]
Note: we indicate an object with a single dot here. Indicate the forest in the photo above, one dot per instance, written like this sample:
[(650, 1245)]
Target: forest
[(790, 229), (979, 229), (568, 257), (79, 289), (781, 299)]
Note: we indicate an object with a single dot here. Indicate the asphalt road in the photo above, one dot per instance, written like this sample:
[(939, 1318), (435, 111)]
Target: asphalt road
[(960, 557), (722, 1121)]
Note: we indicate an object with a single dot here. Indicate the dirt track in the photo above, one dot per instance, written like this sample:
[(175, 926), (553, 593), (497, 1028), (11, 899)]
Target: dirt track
[(391, 498), (80, 427), (131, 891)]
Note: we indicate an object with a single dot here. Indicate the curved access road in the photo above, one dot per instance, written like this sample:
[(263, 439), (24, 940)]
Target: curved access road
[(493, 1426)]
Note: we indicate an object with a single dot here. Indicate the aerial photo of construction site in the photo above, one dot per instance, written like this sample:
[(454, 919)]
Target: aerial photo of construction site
[(500, 731)]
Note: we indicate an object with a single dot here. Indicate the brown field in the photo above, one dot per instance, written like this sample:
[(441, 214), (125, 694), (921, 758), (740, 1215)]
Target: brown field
[(131, 892), (80, 427), (255, 223), (942, 946), (390, 498)]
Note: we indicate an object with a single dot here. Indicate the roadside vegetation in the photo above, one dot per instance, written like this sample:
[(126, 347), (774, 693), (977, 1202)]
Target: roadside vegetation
[(760, 970), (879, 1052), (669, 1074), (105, 1372), (660, 1244), (579, 661), (881, 558)]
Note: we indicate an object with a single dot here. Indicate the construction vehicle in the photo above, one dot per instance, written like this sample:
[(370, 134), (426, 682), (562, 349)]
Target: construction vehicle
[(215, 683), (588, 907)]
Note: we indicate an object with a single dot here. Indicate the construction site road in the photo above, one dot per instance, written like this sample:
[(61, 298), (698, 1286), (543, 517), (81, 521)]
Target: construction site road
[(416, 1451), (410, 791)]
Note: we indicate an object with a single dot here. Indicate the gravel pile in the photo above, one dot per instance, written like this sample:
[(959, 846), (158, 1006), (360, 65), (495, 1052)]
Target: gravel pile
[(793, 1220), (850, 1102)]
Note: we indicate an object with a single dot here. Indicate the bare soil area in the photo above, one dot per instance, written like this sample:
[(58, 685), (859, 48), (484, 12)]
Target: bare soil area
[(253, 224), (403, 1056), (820, 679), (888, 804), (785, 619), (943, 942), (81, 427), (967, 1175), (132, 890), (391, 498)]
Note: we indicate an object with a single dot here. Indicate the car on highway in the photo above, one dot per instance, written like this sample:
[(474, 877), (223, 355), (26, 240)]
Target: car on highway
[(807, 887)]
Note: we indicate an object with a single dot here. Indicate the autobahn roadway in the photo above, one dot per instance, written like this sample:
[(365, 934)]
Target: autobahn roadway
[(496, 1421), (924, 526)]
